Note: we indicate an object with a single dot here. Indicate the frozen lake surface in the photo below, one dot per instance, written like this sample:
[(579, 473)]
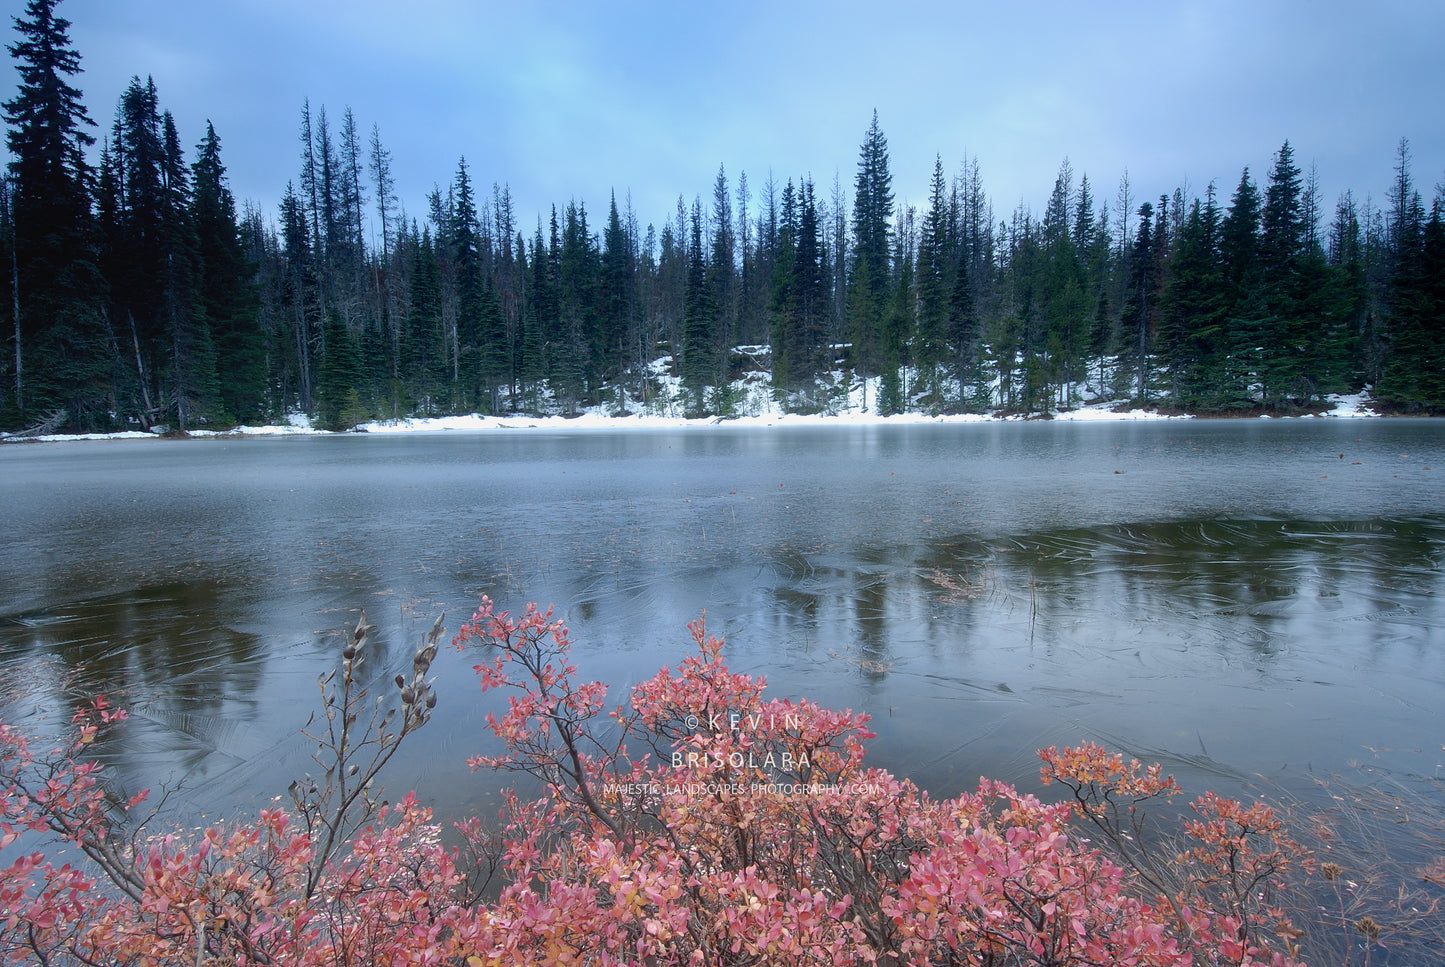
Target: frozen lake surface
[(1238, 599)]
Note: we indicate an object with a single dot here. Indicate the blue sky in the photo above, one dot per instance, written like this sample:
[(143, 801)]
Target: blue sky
[(573, 100)]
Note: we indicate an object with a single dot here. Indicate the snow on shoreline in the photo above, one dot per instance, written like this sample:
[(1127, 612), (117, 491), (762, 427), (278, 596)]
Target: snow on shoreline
[(1354, 406)]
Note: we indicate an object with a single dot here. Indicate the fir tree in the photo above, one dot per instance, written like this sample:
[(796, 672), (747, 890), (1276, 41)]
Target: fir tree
[(61, 344), (1245, 313), (1282, 257), (1190, 317), (226, 287), (699, 352), (936, 265), (339, 404), (1139, 309), (870, 284)]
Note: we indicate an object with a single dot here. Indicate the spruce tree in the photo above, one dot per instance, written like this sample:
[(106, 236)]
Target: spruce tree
[(1410, 379), (1244, 310), (193, 395), (226, 288), (1190, 313), (61, 347), (788, 372), (617, 285), (574, 370), (808, 332), (871, 280), (339, 404), (699, 352), (1282, 257), (936, 264), (1139, 308), (424, 366)]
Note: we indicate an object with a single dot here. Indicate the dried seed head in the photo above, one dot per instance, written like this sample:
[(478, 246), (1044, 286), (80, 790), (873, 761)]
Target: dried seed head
[(400, 682), (431, 699)]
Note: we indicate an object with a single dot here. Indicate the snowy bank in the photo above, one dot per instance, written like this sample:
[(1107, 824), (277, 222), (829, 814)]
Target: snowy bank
[(1354, 406)]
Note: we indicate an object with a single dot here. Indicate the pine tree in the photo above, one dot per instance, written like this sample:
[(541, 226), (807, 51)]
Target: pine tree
[(424, 355), (893, 336), (135, 210), (963, 331), (871, 279), (194, 391), (807, 337), (1190, 313), (1139, 309), (722, 273), (1282, 252), (481, 330), (298, 288), (617, 284), (699, 351), (1245, 313), (226, 289), (1411, 379), (339, 404), (61, 345), (936, 264), (1348, 289), (788, 372), (540, 306), (575, 371)]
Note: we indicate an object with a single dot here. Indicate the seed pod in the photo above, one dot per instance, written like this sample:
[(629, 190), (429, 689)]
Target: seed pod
[(400, 682), (349, 652), (407, 695), (431, 699)]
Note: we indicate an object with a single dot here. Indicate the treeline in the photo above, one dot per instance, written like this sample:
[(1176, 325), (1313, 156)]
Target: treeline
[(141, 296)]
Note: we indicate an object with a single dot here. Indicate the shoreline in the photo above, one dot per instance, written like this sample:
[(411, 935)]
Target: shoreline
[(1354, 406)]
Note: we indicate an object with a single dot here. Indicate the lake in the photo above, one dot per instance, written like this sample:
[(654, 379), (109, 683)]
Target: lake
[(1243, 600)]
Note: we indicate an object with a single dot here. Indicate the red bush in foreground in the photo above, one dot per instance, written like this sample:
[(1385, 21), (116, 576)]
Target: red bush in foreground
[(701, 824)]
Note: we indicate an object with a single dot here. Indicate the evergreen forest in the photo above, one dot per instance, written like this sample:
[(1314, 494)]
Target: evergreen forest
[(141, 297)]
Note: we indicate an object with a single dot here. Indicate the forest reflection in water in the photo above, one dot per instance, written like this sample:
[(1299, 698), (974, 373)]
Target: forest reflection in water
[(1235, 598), (1230, 650)]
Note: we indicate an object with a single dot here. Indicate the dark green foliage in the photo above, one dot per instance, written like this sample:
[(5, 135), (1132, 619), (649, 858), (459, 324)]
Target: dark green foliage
[(870, 285), (61, 344), (425, 360), (936, 267), (699, 350), (227, 290), (1191, 317), (341, 382), (1141, 300), (137, 296)]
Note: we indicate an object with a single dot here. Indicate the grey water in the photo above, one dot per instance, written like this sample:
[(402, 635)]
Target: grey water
[(1242, 600)]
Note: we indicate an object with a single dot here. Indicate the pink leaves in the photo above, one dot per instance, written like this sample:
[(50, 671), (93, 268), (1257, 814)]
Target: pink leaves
[(768, 842)]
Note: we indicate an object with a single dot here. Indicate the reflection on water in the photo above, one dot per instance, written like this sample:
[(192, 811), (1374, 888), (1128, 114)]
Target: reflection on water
[(1236, 599)]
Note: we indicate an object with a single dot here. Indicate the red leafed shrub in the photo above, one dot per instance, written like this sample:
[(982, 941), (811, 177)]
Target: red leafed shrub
[(699, 824)]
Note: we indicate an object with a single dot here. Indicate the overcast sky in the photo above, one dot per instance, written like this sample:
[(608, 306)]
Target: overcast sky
[(577, 98)]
